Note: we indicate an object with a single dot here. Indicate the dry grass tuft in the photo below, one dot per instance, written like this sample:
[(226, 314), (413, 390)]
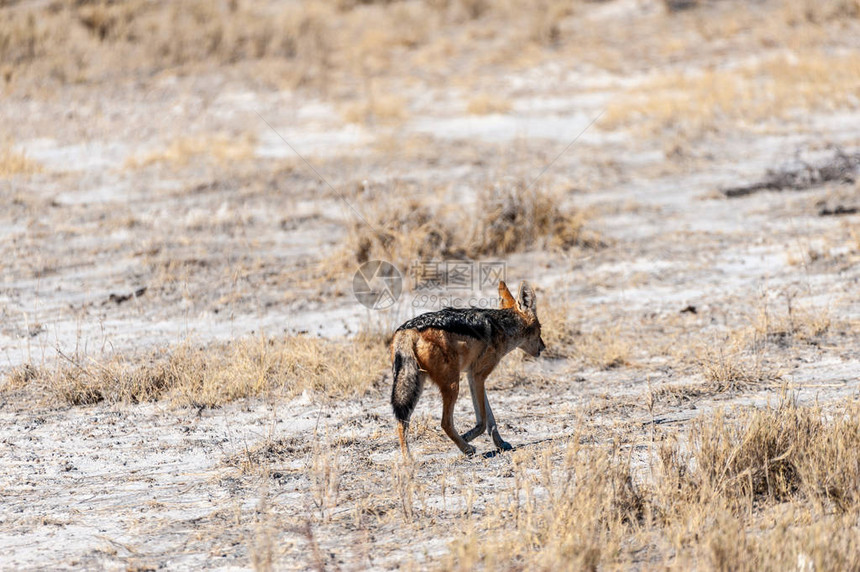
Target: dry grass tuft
[(21, 376), (218, 149), (486, 104), (14, 163), (734, 369), (777, 454), (546, 17), (751, 458), (737, 361), (605, 348), (379, 108), (796, 322), (568, 507), (211, 376), (559, 330), (673, 6), (263, 456), (677, 393), (820, 11)]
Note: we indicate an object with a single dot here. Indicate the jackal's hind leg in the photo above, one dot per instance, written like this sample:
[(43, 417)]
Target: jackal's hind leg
[(449, 390)]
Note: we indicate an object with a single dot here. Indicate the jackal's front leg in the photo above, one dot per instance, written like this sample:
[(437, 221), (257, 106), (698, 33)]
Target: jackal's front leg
[(494, 429), (477, 403)]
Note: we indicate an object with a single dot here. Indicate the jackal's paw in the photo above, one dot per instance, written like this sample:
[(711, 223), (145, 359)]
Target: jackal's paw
[(503, 445), (469, 450)]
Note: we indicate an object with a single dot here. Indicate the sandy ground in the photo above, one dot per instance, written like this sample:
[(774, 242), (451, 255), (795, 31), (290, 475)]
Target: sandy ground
[(225, 249)]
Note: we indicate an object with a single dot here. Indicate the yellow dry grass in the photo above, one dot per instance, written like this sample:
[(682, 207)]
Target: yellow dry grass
[(486, 104), (741, 489), (217, 148), (722, 99), (736, 361), (83, 41), (605, 348), (187, 375), (746, 490), (380, 108), (818, 12), (796, 321), (567, 507), (15, 163), (559, 328)]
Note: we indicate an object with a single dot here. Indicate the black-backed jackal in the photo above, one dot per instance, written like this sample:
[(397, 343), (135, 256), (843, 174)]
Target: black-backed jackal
[(440, 345)]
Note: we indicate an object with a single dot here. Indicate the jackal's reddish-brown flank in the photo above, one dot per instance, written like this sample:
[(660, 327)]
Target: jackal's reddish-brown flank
[(440, 345)]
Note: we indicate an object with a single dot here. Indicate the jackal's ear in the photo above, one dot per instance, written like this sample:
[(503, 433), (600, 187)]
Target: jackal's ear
[(527, 299), (505, 296)]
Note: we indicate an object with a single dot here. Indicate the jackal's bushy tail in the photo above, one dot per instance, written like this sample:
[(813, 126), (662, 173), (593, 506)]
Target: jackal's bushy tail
[(406, 388)]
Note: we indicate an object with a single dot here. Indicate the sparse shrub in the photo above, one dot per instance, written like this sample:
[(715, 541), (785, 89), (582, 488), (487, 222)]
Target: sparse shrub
[(798, 322), (400, 233), (775, 454), (505, 218), (128, 37), (753, 456), (512, 217), (736, 362)]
